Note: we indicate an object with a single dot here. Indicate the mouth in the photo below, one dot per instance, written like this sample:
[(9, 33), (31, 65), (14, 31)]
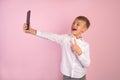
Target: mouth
[(74, 29)]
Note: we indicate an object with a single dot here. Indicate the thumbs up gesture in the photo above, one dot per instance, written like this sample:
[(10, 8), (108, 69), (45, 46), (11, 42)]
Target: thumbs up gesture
[(75, 48)]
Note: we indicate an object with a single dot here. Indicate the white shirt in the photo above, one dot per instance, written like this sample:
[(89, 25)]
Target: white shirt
[(71, 65)]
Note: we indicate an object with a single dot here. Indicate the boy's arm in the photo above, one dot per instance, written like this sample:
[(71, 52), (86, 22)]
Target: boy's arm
[(84, 58), (49, 36)]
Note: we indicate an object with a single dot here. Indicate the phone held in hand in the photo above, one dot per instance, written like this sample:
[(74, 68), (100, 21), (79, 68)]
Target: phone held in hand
[(28, 19)]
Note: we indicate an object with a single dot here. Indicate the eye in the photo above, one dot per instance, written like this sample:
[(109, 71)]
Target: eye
[(73, 23), (78, 24)]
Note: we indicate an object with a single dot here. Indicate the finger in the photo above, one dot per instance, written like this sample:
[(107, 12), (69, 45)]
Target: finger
[(75, 41), (71, 42), (24, 26)]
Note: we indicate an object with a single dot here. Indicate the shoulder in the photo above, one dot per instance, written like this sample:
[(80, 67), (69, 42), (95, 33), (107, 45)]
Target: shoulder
[(66, 35), (85, 43)]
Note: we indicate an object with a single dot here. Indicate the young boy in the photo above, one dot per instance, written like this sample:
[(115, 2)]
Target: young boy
[(75, 51)]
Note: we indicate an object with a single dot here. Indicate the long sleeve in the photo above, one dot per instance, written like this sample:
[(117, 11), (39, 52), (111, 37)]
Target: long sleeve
[(50, 36), (84, 58)]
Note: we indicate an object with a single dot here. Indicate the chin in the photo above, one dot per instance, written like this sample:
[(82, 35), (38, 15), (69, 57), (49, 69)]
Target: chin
[(74, 32)]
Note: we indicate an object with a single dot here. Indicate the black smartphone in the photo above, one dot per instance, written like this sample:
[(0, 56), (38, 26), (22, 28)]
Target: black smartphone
[(28, 19)]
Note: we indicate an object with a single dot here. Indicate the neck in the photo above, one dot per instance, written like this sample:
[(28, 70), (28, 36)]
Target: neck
[(77, 36)]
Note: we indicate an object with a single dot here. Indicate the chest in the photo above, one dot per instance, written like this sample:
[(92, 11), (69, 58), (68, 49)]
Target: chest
[(67, 43)]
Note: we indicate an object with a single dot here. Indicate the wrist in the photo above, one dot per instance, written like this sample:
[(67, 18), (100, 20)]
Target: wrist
[(33, 31), (79, 52)]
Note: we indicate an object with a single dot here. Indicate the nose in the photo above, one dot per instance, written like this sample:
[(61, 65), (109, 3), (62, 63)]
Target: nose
[(74, 25)]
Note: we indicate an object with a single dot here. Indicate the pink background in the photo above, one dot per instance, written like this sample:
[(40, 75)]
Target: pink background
[(27, 57)]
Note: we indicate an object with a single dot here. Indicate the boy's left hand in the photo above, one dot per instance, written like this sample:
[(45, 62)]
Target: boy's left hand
[(75, 48)]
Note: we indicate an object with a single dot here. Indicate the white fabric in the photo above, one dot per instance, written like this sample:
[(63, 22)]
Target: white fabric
[(71, 64)]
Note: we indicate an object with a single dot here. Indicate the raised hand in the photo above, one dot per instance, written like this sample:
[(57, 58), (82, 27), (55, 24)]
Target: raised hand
[(30, 30), (75, 48)]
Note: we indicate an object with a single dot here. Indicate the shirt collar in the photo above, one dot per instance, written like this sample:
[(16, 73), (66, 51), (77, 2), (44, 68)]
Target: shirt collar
[(81, 38)]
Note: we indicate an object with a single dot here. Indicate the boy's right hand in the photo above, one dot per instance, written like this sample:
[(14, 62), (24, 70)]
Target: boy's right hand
[(31, 30)]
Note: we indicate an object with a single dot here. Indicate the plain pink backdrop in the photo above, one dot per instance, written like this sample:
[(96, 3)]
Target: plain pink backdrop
[(27, 57)]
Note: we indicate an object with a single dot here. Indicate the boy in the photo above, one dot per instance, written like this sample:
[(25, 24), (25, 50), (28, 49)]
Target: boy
[(75, 51)]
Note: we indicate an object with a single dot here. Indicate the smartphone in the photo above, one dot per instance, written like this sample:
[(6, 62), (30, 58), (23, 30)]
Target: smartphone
[(28, 19)]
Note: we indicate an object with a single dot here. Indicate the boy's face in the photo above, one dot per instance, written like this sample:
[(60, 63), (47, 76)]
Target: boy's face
[(78, 27)]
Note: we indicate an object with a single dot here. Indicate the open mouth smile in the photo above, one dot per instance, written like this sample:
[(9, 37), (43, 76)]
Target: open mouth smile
[(74, 29)]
